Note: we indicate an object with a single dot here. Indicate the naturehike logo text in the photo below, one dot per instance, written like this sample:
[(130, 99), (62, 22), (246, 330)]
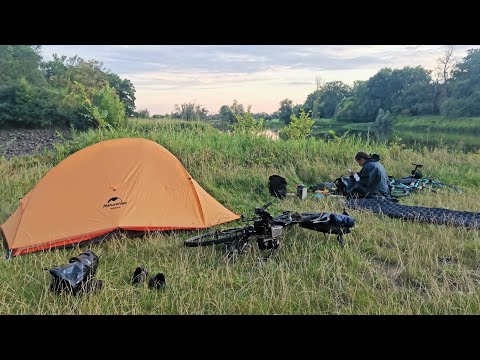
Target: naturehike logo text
[(114, 203)]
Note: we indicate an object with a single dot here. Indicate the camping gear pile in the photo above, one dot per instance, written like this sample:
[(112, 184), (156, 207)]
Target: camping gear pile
[(277, 186)]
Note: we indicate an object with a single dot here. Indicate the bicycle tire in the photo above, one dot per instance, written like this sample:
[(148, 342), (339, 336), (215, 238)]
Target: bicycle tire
[(215, 237), (448, 186), (434, 183)]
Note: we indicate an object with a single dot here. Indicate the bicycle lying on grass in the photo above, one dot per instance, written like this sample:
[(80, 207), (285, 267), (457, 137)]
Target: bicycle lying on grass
[(270, 230), (416, 182)]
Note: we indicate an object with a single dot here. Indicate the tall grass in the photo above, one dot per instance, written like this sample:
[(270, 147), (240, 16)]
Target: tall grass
[(387, 267)]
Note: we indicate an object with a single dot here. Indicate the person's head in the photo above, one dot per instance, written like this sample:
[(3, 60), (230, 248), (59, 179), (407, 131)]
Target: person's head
[(361, 158)]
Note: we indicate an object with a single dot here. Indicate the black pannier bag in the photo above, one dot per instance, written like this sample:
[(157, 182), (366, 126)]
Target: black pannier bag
[(344, 185), (329, 223), (77, 275), (277, 186)]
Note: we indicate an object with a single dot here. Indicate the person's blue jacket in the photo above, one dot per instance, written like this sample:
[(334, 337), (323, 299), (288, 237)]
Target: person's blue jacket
[(373, 180)]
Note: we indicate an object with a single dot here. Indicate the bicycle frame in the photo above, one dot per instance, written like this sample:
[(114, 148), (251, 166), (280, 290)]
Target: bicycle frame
[(418, 182), (270, 230)]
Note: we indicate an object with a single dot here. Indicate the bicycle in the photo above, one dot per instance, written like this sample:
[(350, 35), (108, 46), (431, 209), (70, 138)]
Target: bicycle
[(416, 182), (270, 230)]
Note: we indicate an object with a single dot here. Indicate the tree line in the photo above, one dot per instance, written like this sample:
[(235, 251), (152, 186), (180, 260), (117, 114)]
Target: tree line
[(452, 89), (60, 92), (73, 91)]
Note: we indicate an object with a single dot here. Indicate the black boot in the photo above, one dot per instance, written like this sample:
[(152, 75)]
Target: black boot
[(157, 282), (139, 276)]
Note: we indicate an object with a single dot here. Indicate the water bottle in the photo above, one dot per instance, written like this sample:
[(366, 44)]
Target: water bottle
[(302, 191)]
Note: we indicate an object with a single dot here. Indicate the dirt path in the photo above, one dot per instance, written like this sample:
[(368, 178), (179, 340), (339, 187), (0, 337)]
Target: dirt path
[(16, 142)]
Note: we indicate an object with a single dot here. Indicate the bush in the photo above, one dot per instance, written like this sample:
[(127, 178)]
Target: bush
[(26, 105), (387, 119), (104, 109), (107, 102), (299, 127), (380, 116), (247, 123)]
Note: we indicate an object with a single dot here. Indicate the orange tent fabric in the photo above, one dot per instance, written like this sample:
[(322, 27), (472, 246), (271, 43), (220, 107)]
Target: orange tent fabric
[(130, 184)]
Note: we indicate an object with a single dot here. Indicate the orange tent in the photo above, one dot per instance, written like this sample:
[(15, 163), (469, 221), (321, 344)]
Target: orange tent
[(130, 184)]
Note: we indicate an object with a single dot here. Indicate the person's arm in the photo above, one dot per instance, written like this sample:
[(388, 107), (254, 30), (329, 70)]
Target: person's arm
[(368, 177)]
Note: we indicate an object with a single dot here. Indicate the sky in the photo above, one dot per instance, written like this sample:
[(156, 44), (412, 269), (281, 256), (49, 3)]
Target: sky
[(257, 75)]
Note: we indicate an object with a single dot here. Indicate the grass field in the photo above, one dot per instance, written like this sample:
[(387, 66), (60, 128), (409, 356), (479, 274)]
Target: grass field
[(387, 267)]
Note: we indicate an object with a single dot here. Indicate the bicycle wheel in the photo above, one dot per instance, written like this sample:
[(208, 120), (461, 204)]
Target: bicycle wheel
[(216, 237), (440, 184)]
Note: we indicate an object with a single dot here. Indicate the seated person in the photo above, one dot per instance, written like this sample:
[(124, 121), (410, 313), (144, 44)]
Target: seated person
[(372, 181)]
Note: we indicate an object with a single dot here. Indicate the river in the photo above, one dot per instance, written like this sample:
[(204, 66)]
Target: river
[(465, 142)]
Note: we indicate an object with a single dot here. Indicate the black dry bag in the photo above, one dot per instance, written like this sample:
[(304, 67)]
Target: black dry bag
[(77, 275), (277, 186)]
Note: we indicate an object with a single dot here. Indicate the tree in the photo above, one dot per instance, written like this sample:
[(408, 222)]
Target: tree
[(324, 101), (262, 115), (319, 82), (316, 110), (446, 66), (464, 88), (285, 111), (346, 110), (391, 90), (143, 114), (226, 114), (330, 96), (297, 109), (237, 109), (190, 112), (20, 62), (442, 75), (125, 91)]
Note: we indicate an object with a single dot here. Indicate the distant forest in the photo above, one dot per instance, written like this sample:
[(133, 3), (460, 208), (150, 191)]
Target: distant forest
[(73, 91)]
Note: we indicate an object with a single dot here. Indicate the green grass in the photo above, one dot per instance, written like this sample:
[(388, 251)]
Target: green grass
[(387, 267), (438, 123)]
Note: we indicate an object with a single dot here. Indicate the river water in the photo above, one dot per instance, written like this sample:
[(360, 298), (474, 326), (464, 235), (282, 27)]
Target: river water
[(465, 142)]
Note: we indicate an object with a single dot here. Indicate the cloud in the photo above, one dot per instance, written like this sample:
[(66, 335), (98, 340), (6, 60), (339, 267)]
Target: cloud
[(213, 72)]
